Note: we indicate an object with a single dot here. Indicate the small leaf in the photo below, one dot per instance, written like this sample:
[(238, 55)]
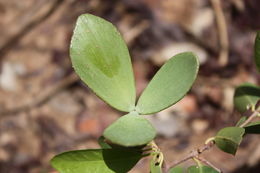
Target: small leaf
[(96, 160), (228, 139), (253, 128), (257, 51), (154, 166), (246, 95), (102, 143), (169, 84), (176, 169), (241, 121), (101, 59), (130, 130), (201, 169)]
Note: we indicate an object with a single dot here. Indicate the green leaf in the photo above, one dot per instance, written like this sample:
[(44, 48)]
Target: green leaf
[(102, 143), (169, 84), (241, 121), (176, 169), (130, 130), (155, 169), (253, 128), (201, 169), (257, 51), (154, 166), (101, 59), (96, 160), (228, 139), (246, 95)]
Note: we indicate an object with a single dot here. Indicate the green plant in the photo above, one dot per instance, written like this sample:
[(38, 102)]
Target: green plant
[(101, 59)]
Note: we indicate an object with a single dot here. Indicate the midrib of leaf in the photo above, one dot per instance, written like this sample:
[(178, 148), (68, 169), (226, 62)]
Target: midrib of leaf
[(129, 103), (116, 81), (222, 137)]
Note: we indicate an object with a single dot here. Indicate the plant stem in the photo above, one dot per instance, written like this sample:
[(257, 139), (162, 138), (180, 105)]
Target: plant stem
[(222, 32), (158, 152), (175, 163), (208, 145), (197, 161), (209, 139), (194, 153), (206, 162), (250, 119)]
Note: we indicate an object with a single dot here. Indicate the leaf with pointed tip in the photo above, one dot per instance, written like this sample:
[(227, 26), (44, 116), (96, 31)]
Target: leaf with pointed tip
[(96, 160), (246, 95), (257, 51), (201, 169), (253, 128), (176, 169), (169, 84), (130, 130), (101, 59), (228, 139)]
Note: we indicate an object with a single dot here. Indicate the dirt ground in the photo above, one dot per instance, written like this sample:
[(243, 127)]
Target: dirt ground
[(45, 109)]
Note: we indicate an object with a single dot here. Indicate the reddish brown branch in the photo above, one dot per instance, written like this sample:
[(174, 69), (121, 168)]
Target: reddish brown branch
[(206, 162), (193, 153), (250, 119), (196, 152), (27, 28), (222, 32), (42, 97)]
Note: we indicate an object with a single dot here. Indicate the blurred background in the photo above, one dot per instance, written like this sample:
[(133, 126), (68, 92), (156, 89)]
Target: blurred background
[(45, 109)]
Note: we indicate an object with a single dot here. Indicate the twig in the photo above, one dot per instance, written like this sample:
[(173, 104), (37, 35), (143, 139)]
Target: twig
[(250, 119), (27, 28), (206, 162), (222, 32), (240, 5), (130, 35), (200, 42), (196, 152), (48, 93), (44, 96), (175, 163), (193, 153)]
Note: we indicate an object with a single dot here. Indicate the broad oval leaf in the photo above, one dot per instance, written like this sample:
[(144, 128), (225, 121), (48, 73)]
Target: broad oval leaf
[(176, 169), (228, 139), (253, 128), (101, 59), (130, 130), (169, 84), (96, 160), (257, 51), (246, 95), (201, 169)]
